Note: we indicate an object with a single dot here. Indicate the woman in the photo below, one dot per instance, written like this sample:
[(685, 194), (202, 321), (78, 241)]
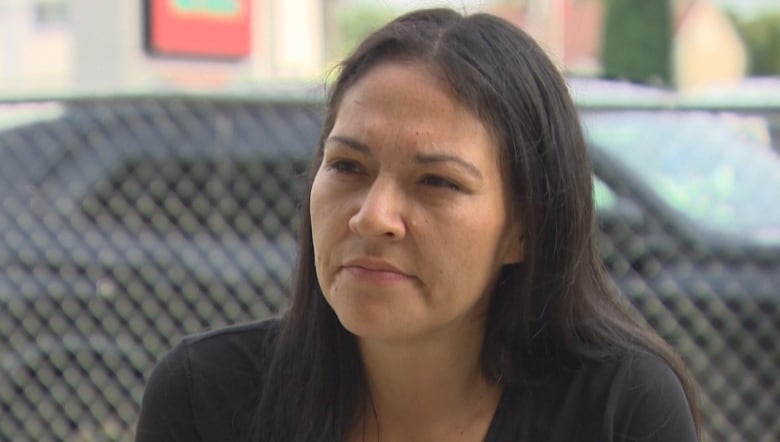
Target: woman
[(448, 286)]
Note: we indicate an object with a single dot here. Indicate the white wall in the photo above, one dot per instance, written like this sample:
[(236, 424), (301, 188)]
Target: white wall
[(33, 56), (99, 49)]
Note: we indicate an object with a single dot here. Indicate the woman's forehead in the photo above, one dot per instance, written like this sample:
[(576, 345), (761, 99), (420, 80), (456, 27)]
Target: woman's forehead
[(406, 100)]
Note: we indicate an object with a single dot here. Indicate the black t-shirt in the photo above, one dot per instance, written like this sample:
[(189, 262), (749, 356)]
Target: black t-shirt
[(206, 389)]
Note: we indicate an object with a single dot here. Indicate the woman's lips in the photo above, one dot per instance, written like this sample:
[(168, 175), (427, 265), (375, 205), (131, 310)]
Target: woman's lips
[(375, 271)]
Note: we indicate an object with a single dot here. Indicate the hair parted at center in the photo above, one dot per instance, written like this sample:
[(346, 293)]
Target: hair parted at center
[(558, 305)]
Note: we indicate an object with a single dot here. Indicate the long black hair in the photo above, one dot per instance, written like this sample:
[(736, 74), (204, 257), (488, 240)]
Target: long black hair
[(558, 304)]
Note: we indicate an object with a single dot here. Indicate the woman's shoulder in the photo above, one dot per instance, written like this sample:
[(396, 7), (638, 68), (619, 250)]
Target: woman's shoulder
[(623, 397), (208, 384), (603, 372), (643, 399), (226, 351), (231, 342), (631, 371), (228, 356)]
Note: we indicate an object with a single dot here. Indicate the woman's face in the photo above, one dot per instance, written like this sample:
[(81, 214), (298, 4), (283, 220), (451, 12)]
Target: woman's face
[(408, 208)]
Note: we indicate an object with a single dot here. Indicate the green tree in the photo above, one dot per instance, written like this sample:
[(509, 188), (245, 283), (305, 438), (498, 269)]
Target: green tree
[(762, 38), (637, 42), (356, 21)]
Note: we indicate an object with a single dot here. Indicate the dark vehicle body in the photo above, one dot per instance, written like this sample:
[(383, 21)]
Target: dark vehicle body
[(690, 232), (126, 223)]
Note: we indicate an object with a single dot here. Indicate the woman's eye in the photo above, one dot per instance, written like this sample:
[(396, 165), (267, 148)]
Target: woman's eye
[(344, 166), (437, 181)]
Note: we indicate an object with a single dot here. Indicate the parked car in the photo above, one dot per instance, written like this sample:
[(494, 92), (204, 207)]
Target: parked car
[(691, 234), (128, 222), (125, 224)]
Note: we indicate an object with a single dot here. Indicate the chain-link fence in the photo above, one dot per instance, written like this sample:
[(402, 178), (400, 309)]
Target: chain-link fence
[(127, 223)]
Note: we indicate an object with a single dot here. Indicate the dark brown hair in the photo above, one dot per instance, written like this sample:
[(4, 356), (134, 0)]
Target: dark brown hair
[(556, 306)]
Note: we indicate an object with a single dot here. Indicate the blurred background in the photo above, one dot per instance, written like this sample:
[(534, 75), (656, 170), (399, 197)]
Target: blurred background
[(151, 163), (99, 47)]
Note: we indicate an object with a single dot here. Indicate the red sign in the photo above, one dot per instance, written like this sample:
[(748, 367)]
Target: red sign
[(200, 28)]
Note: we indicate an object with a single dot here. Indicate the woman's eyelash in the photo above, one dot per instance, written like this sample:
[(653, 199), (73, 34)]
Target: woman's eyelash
[(437, 181), (344, 166), (353, 167)]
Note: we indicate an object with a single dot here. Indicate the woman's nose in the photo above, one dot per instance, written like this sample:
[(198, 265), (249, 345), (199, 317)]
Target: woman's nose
[(380, 213)]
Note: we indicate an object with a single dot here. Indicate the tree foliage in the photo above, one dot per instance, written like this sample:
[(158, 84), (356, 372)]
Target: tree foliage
[(762, 38), (637, 42), (356, 21)]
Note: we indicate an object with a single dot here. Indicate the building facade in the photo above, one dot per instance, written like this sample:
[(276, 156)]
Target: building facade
[(98, 46)]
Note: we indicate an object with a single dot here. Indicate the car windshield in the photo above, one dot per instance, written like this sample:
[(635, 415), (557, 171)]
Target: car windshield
[(718, 169)]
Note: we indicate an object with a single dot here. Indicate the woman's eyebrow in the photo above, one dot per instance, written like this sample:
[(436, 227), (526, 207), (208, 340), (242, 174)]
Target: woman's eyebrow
[(420, 158), (444, 158), (349, 142)]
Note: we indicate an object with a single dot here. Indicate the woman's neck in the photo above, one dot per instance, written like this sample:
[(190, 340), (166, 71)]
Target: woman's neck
[(432, 388)]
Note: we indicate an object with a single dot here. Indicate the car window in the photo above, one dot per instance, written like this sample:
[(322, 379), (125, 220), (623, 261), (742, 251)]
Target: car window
[(203, 196), (718, 169), (604, 197)]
